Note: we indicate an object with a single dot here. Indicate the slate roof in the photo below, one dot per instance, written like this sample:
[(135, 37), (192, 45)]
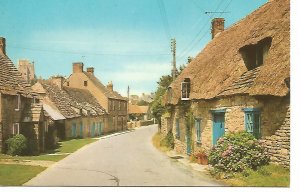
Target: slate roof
[(72, 102), (219, 69), (106, 92), (11, 82)]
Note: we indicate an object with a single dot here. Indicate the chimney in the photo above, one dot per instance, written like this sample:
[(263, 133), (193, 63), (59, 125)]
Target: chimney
[(2, 46), (90, 70), (58, 80), (217, 26), (110, 86), (77, 67)]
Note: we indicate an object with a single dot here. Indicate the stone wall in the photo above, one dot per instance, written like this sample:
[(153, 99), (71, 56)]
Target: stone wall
[(134, 124), (273, 116), (278, 145)]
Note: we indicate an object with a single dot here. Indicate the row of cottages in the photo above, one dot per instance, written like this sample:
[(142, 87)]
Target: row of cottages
[(70, 112), (239, 81), (114, 104), (19, 113)]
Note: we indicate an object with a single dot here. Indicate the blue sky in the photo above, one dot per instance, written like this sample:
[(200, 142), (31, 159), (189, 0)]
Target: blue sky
[(127, 41)]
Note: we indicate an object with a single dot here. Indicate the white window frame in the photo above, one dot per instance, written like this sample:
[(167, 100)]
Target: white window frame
[(19, 102), (185, 83), (17, 132)]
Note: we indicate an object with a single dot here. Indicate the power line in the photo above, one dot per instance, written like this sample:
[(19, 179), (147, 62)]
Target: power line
[(89, 53), (164, 17)]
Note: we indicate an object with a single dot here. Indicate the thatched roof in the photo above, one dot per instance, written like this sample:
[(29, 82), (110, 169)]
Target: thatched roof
[(136, 109), (219, 69)]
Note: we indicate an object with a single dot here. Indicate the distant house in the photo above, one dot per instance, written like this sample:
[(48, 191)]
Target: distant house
[(72, 112), (137, 112), (113, 103), (26, 68), (19, 114), (239, 81)]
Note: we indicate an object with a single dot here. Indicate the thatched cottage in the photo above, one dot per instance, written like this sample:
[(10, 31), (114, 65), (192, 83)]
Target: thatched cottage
[(239, 81), (71, 112), (113, 103), (19, 111)]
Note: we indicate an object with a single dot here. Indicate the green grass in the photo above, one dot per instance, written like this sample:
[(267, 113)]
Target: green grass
[(69, 146), (14, 175), (266, 176), (157, 142)]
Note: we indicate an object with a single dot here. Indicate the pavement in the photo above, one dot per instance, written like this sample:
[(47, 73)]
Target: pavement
[(123, 159)]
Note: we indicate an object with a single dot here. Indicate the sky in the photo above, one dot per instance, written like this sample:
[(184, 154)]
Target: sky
[(126, 41)]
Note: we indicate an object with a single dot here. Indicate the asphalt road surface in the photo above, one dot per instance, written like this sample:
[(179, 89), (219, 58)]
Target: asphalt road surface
[(127, 159)]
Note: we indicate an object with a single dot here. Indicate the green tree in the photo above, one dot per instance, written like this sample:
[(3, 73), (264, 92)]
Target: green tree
[(142, 103), (156, 105)]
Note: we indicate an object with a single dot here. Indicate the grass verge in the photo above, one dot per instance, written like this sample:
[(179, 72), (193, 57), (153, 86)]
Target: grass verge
[(157, 142), (14, 175), (266, 176), (57, 154)]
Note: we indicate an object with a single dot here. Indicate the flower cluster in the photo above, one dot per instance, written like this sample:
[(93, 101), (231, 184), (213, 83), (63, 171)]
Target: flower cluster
[(236, 152)]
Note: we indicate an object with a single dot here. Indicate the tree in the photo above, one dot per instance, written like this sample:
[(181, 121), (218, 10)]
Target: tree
[(156, 105), (142, 103)]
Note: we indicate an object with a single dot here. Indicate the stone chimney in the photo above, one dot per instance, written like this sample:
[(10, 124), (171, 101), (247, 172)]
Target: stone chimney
[(2, 46), (110, 86), (77, 67), (90, 70), (217, 26), (58, 80)]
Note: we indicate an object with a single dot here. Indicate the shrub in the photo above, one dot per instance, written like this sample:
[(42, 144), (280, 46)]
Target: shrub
[(17, 145), (168, 141), (237, 152)]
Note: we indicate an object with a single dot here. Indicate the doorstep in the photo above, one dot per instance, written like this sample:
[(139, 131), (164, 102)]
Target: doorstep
[(185, 160)]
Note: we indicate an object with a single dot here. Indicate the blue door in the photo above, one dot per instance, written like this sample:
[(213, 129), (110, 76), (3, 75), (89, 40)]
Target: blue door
[(218, 126), (81, 129), (73, 130), (93, 130), (188, 137)]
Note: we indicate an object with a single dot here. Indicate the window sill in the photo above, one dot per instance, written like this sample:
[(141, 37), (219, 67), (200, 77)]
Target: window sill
[(17, 109), (185, 99)]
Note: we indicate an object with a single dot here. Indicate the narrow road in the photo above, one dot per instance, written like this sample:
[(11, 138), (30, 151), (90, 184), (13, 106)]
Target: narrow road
[(122, 160)]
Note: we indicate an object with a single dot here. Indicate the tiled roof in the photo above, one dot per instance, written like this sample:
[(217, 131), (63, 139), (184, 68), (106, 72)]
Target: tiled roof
[(11, 82), (72, 102), (106, 92)]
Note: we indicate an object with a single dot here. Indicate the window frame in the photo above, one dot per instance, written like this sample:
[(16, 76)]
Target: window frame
[(17, 128), (18, 102), (186, 82), (85, 83), (256, 124)]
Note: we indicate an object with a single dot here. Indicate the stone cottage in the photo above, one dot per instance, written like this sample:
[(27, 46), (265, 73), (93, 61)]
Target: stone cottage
[(19, 114), (72, 112), (239, 81), (113, 103)]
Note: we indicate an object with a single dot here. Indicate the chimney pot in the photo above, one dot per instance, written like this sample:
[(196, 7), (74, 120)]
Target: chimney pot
[(217, 26), (90, 70), (77, 67), (2, 46)]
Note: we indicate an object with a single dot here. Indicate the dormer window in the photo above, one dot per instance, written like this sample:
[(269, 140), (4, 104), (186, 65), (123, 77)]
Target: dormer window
[(185, 89), (254, 55)]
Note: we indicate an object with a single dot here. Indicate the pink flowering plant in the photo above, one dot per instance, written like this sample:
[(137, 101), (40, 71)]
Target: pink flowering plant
[(237, 152)]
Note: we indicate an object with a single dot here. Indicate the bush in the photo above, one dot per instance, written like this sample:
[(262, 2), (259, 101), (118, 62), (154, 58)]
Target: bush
[(168, 141), (17, 145), (237, 152)]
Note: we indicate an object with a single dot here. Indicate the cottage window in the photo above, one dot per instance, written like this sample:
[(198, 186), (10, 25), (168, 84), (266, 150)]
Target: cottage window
[(18, 102), (16, 128), (177, 128), (198, 130), (252, 121), (85, 83), (119, 105), (185, 89), (254, 55)]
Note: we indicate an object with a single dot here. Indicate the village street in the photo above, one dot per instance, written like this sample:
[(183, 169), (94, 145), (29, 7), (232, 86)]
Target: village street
[(127, 159)]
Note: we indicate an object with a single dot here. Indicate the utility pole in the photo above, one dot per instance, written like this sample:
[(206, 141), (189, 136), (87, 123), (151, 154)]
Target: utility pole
[(128, 103), (173, 50)]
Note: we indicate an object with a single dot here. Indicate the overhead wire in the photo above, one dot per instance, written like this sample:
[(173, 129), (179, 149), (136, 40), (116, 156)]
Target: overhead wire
[(164, 17)]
